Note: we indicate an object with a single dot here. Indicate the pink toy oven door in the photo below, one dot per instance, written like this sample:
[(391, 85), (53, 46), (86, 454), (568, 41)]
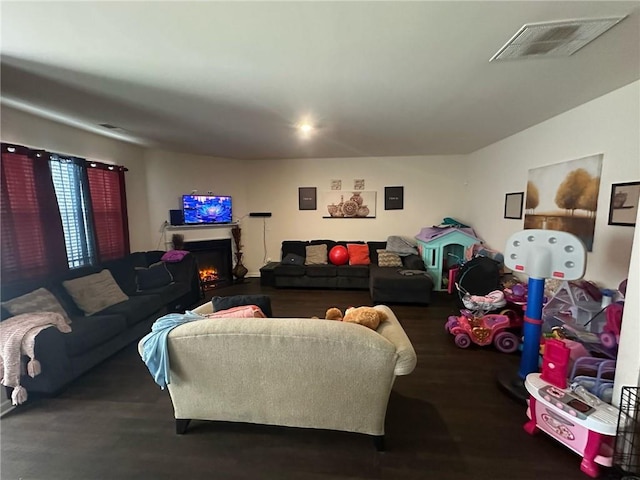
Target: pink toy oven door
[(555, 363)]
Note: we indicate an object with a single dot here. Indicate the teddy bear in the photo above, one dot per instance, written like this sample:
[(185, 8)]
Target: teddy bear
[(366, 316), (333, 314)]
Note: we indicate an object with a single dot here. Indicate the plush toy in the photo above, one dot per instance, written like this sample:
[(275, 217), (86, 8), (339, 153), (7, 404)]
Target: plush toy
[(367, 316), (333, 314)]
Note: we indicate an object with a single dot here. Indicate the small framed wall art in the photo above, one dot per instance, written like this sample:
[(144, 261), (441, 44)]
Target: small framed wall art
[(307, 199), (393, 198), (623, 208), (513, 205)]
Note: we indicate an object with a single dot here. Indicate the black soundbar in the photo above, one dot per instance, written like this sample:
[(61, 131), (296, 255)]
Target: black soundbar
[(260, 214)]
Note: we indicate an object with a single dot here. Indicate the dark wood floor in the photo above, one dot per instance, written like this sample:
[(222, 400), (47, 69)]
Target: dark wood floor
[(447, 420)]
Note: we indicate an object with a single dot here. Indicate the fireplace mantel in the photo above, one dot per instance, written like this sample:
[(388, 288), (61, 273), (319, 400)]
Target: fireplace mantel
[(194, 233), (209, 225)]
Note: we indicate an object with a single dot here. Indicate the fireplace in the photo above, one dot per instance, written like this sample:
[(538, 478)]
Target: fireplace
[(214, 261)]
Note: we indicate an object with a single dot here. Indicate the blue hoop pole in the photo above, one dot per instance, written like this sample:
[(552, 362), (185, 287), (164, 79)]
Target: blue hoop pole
[(532, 327)]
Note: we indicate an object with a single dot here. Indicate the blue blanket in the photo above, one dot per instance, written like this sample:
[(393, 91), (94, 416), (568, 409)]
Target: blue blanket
[(154, 344)]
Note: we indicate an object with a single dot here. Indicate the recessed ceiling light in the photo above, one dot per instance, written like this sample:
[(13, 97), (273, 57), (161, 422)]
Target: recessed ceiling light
[(305, 128)]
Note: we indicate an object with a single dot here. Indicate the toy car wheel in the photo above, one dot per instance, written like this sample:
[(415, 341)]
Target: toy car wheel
[(506, 342), (608, 339), (462, 340)]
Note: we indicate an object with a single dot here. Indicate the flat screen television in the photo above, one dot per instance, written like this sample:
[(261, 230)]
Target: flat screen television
[(206, 209)]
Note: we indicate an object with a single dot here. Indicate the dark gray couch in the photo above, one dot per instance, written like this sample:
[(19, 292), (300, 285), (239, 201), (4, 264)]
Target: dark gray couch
[(385, 284), (93, 338)]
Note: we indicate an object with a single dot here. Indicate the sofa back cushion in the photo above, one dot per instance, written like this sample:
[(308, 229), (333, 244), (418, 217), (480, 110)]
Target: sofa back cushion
[(124, 273), (373, 250), (297, 247), (96, 292), (40, 300), (329, 243), (156, 276), (413, 262)]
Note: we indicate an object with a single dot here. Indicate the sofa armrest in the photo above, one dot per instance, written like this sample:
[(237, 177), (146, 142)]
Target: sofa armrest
[(393, 331), (203, 309), (185, 270)]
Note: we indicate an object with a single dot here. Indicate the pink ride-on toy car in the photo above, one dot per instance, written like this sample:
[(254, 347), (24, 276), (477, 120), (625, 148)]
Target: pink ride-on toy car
[(474, 325)]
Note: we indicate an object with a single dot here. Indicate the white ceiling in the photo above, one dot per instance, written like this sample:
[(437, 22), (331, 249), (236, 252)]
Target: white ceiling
[(232, 79)]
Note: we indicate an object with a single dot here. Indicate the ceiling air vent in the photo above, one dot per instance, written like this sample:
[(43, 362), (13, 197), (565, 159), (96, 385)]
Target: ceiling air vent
[(556, 39)]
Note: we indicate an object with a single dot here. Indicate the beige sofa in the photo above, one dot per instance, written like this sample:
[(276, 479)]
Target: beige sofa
[(296, 372)]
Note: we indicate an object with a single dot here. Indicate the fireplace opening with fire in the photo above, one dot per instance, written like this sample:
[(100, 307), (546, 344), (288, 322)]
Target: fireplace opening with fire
[(214, 262)]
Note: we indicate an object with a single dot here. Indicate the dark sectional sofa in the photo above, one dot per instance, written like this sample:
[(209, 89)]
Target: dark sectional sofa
[(407, 284), (93, 338)]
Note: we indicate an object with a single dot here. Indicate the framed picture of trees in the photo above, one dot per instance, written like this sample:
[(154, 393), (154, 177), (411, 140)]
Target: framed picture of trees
[(564, 197)]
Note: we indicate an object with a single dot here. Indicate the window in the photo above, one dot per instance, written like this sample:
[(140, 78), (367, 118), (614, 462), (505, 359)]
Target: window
[(106, 186), (58, 212), (31, 235), (71, 192)]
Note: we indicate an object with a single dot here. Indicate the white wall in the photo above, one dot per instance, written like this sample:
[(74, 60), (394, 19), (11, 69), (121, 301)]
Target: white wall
[(609, 125), (170, 175), (36, 132), (429, 195), (430, 184)]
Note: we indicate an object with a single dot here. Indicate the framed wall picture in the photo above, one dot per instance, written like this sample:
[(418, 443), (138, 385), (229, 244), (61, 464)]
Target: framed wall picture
[(307, 198), (623, 207), (513, 205), (393, 198), (564, 196)]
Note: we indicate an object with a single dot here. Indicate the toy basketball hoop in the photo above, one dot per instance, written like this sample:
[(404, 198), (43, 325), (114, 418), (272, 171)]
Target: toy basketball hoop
[(542, 254)]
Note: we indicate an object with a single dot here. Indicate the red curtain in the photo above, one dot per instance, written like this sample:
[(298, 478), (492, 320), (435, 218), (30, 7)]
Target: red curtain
[(109, 208), (32, 236)]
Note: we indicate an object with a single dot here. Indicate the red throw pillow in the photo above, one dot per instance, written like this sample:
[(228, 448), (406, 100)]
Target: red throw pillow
[(358, 254)]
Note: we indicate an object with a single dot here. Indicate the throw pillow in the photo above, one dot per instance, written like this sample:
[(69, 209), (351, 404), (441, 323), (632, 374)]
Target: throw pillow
[(224, 303), (245, 311), (389, 259), (316, 254), (293, 259), (156, 276), (358, 254), (40, 300), (96, 292)]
